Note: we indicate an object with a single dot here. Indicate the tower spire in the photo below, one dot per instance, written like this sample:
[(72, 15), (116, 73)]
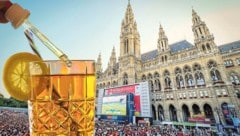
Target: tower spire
[(113, 58), (99, 64), (129, 37), (203, 39), (130, 54), (162, 40)]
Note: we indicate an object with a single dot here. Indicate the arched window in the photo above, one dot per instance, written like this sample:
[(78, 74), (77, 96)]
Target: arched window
[(185, 112), (187, 69), (150, 85), (180, 81), (188, 76), (157, 86), (160, 113), (149, 78), (189, 80), (178, 71), (126, 46), (135, 78), (208, 111), (208, 47), (234, 79), (199, 78), (196, 32), (167, 79), (179, 78), (237, 93), (125, 79), (196, 67), (114, 83), (212, 64), (196, 109), (203, 48), (156, 75), (144, 78), (162, 45), (153, 112), (173, 113), (214, 73)]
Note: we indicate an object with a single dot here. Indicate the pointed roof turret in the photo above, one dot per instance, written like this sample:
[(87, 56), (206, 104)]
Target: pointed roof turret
[(129, 37), (196, 20), (99, 64), (199, 27), (162, 40), (193, 12), (99, 60), (113, 59), (203, 39), (129, 17), (161, 33), (113, 51)]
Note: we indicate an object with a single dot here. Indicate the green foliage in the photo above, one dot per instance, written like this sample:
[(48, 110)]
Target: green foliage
[(11, 102)]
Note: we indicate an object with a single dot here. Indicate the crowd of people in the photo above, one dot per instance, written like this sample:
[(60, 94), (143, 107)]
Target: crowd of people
[(107, 128), (13, 123)]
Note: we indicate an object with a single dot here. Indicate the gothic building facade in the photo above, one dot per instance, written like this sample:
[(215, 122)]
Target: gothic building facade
[(185, 80)]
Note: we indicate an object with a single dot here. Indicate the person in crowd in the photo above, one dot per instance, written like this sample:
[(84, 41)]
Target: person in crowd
[(13, 123)]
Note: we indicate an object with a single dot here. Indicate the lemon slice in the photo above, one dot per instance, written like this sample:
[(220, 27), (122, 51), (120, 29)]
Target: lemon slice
[(16, 75)]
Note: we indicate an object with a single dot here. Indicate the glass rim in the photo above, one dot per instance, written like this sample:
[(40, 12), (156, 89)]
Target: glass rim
[(74, 60)]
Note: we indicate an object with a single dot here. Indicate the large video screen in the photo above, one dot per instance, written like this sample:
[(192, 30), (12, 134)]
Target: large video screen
[(114, 105)]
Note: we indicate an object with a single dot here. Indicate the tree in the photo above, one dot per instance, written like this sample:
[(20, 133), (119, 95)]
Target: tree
[(11, 102)]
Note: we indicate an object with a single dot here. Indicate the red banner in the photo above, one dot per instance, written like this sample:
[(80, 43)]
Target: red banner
[(121, 90), (199, 119), (125, 90)]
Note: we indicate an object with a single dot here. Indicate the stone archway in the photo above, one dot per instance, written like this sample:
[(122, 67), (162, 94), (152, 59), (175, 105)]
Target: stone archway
[(196, 110), (173, 113), (153, 112), (208, 111), (185, 113), (160, 113)]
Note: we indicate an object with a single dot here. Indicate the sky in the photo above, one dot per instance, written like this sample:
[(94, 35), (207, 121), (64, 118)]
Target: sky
[(83, 29)]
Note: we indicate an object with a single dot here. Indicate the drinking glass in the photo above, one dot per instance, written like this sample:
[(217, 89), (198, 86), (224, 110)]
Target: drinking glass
[(62, 101)]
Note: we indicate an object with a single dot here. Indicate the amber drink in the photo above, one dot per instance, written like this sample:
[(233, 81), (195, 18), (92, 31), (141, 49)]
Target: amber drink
[(62, 101)]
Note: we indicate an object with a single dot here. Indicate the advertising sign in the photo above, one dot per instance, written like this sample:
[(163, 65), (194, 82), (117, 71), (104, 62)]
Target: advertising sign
[(99, 101), (124, 90), (114, 105), (145, 100)]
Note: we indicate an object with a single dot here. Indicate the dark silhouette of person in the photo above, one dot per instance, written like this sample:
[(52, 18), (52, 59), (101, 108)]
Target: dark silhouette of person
[(4, 5)]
